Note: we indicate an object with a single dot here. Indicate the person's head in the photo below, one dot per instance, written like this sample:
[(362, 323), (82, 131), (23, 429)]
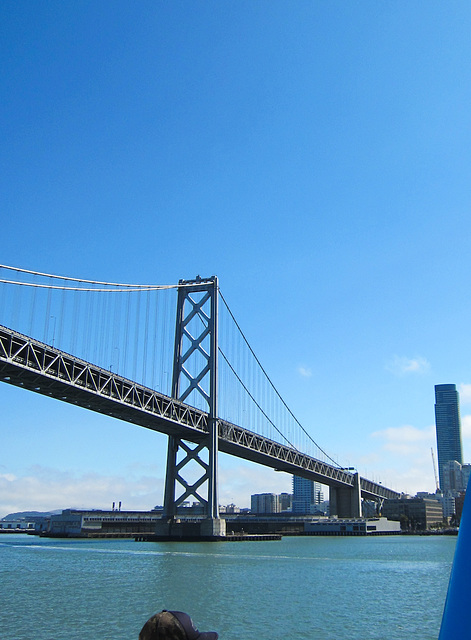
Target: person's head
[(173, 625)]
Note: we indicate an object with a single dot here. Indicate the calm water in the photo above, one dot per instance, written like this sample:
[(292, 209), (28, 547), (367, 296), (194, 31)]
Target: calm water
[(300, 588)]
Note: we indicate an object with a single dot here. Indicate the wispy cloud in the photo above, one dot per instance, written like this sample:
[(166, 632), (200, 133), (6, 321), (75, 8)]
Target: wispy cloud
[(405, 440), (406, 463), (406, 433), (401, 365), (45, 489), (465, 393), (305, 372), (466, 426)]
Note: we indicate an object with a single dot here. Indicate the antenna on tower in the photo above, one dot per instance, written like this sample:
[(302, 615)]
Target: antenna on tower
[(435, 470)]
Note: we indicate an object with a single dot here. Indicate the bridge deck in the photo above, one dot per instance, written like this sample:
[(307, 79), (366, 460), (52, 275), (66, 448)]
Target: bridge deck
[(28, 363)]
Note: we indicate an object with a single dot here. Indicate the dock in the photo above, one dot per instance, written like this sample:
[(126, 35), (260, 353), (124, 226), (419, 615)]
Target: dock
[(233, 537)]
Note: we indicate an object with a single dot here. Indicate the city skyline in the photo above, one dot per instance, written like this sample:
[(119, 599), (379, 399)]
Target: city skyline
[(314, 157)]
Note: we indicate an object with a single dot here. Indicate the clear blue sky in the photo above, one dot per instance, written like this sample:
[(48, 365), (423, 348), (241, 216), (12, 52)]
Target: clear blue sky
[(314, 155)]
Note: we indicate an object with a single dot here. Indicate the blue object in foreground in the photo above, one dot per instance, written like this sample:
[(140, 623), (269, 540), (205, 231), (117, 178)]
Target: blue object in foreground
[(456, 621)]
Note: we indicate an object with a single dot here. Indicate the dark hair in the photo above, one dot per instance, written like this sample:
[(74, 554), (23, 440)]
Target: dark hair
[(162, 626)]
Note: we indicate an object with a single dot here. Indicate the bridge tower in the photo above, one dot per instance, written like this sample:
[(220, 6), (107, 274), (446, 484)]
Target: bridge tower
[(195, 376)]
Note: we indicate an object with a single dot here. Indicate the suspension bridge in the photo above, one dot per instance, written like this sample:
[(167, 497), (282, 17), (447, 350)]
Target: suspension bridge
[(171, 358)]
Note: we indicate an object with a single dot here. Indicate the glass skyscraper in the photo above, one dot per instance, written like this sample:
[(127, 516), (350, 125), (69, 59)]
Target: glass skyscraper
[(306, 494), (448, 426)]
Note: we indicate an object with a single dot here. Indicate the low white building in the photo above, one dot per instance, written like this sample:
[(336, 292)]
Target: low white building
[(352, 527), (16, 526)]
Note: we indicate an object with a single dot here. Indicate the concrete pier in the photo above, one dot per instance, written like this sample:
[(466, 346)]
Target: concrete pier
[(345, 502), (179, 529), (241, 537)]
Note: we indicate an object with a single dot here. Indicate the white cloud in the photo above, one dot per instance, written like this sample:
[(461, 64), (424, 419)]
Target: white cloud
[(465, 393), (412, 478), (401, 365), (9, 477), (407, 463), (405, 434), (304, 372), (466, 426), (401, 448), (406, 440), (45, 489), (406, 470)]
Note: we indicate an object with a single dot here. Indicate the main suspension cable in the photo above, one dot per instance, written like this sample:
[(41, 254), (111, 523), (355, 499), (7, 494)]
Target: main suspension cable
[(121, 286), (70, 279), (125, 288)]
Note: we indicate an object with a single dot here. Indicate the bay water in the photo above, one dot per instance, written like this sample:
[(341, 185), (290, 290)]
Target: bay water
[(312, 588)]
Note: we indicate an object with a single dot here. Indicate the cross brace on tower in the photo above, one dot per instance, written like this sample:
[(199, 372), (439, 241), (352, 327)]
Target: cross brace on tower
[(195, 375)]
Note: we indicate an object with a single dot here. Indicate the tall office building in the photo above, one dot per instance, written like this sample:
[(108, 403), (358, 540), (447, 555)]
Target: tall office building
[(448, 425), (286, 500), (265, 503), (466, 473), (453, 476), (306, 494)]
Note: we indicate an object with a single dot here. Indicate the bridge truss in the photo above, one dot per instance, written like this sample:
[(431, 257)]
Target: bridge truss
[(41, 368)]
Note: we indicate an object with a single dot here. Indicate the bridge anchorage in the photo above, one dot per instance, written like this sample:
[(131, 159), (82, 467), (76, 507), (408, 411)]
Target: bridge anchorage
[(200, 417)]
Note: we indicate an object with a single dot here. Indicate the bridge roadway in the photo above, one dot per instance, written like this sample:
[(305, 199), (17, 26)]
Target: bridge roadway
[(32, 365)]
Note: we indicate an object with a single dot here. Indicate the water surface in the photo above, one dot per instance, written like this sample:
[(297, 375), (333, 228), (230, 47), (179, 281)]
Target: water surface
[(299, 588)]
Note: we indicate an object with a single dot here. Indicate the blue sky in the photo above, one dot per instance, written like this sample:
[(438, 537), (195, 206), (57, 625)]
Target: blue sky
[(315, 156)]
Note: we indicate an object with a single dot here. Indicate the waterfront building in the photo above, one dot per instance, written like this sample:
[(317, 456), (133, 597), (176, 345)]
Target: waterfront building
[(369, 508), (306, 495), (448, 429), (98, 523), (15, 526), (448, 502), (270, 502), (265, 503), (318, 495), (466, 472), (352, 527), (286, 501), (453, 476), (230, 508), (459, 503), (414, 513), (322, 507)]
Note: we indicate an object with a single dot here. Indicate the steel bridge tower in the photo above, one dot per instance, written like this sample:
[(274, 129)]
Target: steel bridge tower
[(195, 376)]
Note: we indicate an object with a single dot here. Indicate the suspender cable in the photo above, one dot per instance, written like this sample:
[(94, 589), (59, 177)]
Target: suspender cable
[(272, 385)]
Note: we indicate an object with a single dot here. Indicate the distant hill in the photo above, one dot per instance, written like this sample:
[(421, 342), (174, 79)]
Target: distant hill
[(27, 515)]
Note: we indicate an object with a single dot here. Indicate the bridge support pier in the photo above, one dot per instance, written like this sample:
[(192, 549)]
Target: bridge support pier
[(345, 502), (181, 529), (194, 379), (213, 528)]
